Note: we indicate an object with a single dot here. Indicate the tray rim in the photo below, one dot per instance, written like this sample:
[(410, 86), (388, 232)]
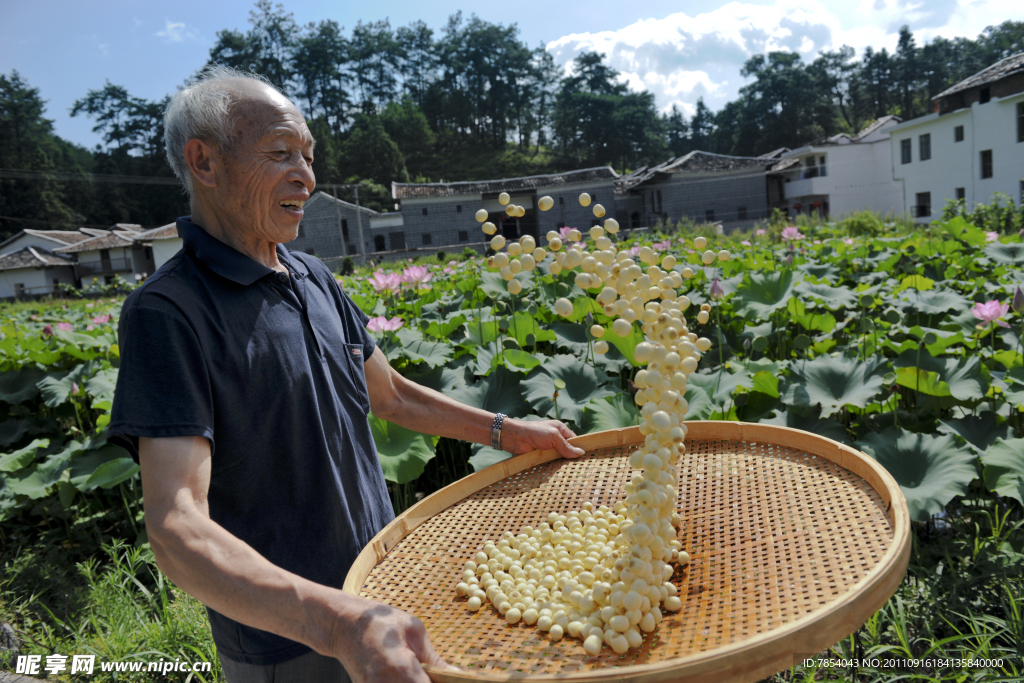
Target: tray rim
[(746, 660)]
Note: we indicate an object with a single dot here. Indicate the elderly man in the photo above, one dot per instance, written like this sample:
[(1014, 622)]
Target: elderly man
[(246, 377)]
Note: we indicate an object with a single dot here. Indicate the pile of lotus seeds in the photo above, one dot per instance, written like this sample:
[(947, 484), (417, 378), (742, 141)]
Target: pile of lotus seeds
[(602, 574)]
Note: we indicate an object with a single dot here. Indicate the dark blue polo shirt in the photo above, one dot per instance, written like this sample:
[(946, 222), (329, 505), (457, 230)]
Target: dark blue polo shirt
[(269, 368)]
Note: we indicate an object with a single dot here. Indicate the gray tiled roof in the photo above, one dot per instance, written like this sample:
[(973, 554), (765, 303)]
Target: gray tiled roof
[(65, 236), (164, 232), (998, 71), (693, 162), (524, 184), (33, 257), (108, 240)]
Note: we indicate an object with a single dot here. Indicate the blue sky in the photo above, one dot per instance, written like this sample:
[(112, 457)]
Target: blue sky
[(678, 50)]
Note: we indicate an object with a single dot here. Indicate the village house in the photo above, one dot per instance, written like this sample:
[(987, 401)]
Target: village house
[(840, 175), (33, 271), (330, 228), (440, 216), (969, 148), (163, 243), (111, 253), (699, 186)]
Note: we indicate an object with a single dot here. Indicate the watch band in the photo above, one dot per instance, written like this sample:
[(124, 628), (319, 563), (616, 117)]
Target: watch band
[(496, 430)]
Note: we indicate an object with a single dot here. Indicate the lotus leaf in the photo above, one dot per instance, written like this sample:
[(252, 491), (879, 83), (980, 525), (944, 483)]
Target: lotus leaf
[(499, 392), (809, 422), (832, 297), (112, 473), (610, 412), (834, 382), (964, 379), (23, 457), (763, 293), (403, 453), (700, 404), (931, 470), (485, 456), (1004, 468), (17, 386), (980, 431), (721, 384), (35, 481), (934, 302), (582, 384), (1006, 254)]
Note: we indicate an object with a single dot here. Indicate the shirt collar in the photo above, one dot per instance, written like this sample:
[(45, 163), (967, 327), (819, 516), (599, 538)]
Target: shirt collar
[(227, 261)]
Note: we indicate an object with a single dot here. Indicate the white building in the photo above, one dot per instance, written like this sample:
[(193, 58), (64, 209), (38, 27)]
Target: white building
[(34, 271), (111, 253), (46, 239), (969, 148), (839, 176), (162, 243)]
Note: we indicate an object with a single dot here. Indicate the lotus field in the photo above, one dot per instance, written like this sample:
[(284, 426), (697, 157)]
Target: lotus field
[(908, 346)]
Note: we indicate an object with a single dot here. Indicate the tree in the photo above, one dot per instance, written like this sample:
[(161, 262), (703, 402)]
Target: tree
[(373, 60), (677, 132), (906, 73), (369, 152), (701, 126), (321, 54), (832, 72), (267, 48), (418, 60), (406, 124)]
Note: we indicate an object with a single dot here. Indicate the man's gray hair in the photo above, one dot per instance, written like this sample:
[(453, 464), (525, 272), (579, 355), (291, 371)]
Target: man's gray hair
[(202, 110)]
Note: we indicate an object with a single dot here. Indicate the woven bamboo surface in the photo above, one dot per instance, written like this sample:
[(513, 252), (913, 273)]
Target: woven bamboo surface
[(795, 541)]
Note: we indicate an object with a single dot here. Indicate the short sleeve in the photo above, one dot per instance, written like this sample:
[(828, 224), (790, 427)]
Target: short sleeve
[(163, 387)]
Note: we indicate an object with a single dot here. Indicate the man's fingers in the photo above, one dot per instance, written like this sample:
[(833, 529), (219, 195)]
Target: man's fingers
[(563, 429), (567, 450)]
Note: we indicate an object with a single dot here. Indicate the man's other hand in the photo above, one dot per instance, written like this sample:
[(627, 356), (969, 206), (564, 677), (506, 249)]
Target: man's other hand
[(522, 436)]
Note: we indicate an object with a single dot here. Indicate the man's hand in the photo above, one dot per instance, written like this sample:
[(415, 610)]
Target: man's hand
[(384, 644), (522, 436)]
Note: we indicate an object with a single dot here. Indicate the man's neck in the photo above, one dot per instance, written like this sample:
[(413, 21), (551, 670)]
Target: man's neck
[(236, 236)]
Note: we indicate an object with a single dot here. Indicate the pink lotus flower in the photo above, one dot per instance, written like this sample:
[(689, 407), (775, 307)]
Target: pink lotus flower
[(849, 241), (89, 328), (633, 251), (67, 327), (991, 236), (417, 276), (453, 263), (1018, 300), (382, 324), (990, 312), (48, 331), (661, 246), (74, 389), (88, 305), (563, 232), (745, 243), (449, 271), (791, 233), (385, 282), (101, 319), (760, 232), (817, 241), (716, 289)]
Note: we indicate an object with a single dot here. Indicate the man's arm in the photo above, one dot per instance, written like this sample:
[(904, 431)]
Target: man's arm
[(396, 399), (373, 641)]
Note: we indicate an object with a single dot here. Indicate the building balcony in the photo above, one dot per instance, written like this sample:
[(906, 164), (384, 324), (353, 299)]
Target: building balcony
[(109, 267), (807, 188)]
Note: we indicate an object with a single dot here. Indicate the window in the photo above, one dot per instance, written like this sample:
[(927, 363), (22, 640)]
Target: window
[(986, 163), (1020, 122), (424, 211), (427, 238), (397, 241), (661, 207), (961, 195), (300, 230), (19, 289), (924, 204), (958, 134), (378, 243), (709, 216), (924, 146), (905, 151), (561, 200), (984, 96), (634, 220), (458, 208), (350, 249), (311, 251), (741, 213), (344, 229), (149, 253), (821, 164), (810, 168), (463, 235)]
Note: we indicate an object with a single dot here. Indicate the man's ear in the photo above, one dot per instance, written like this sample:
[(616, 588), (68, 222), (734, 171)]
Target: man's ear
[(202, 161)]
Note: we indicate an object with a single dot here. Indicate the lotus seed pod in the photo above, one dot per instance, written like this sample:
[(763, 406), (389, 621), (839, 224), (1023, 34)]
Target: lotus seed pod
[(515, 286), (489, 228), (703, 344), (596, 231), (585, 199), (520, 211), (551, 235), (515, 265), (575, 235), (724, 255), (500, 261), (597, 331), (539, 254), (563, 307), (708, 257), (688, 365), (600, 347), (598, 210), (555, 269), (555, 244), (513, 615), (474, 604), (603, 243), (529, 263), (702, 317), (556, 632), (497, 242), (611, 225), (673, 603), (510, 211), (527, 243), (514, 249), (592, 645), (506, 273), (687, 273), (504, 198), (669, 262), (699, 243), (545, 203), (481, 215)]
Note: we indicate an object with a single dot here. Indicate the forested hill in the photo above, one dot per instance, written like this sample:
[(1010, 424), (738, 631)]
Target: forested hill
[(467, 102)]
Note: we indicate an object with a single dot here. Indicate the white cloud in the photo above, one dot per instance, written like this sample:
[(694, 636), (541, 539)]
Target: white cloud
[(176, 32), (681, 57)]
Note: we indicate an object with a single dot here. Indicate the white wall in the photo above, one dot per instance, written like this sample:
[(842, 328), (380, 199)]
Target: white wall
[(992, 125), (164, 250), (37, 281), (26, 240)]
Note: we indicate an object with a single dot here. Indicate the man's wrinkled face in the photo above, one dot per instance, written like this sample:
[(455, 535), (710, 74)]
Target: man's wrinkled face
[(267, 175)]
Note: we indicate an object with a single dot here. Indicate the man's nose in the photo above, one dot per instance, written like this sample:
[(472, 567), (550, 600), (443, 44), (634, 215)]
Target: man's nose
[(302, 174)]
